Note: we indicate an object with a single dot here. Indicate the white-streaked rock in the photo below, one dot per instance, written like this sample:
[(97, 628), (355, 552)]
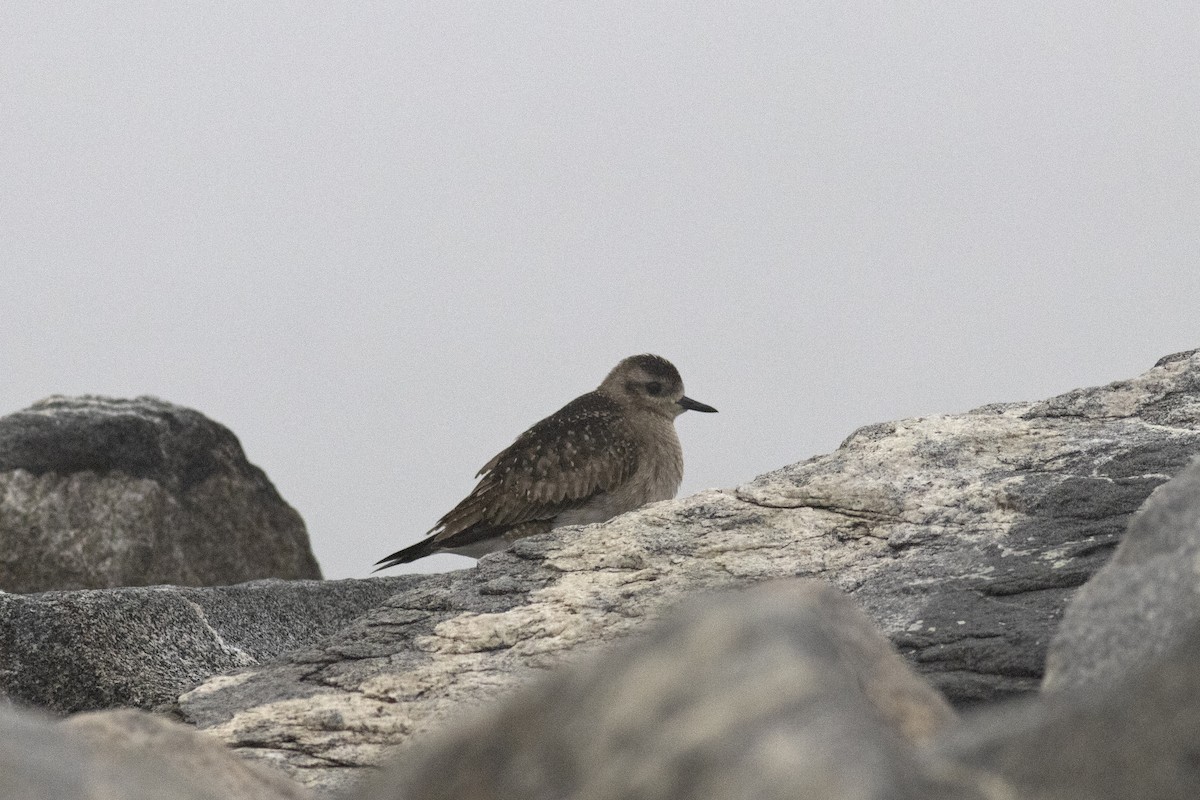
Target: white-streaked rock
[(144, 646)]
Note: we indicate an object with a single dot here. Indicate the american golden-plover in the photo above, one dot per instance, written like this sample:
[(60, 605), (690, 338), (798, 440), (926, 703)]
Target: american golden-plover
[(602, 454)]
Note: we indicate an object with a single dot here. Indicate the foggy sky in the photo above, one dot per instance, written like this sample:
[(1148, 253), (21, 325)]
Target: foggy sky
[(378, 240)]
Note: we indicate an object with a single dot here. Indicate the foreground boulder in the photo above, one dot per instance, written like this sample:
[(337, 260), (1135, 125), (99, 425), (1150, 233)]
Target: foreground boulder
[(143, 647), (128, 755), (962, 536), (97, 492)]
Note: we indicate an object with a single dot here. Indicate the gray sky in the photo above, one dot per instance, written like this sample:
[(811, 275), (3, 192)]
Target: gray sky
[(378, 240)]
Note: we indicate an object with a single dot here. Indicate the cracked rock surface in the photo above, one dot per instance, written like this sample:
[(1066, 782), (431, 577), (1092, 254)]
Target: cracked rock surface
[(98, 492), (962, 536)]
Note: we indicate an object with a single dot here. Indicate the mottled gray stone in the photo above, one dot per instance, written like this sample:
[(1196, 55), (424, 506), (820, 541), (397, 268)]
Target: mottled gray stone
[(97, 492), (785, 691), (1144, 600), (144, 646), (963, 536), (128, 755)]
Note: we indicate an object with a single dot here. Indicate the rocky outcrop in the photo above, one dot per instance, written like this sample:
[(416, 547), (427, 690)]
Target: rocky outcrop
[(125, 754), (97, 492), (143, 647), (962, 536)]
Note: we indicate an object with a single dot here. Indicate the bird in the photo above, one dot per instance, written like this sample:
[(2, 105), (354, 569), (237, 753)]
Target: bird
[(606, 452)]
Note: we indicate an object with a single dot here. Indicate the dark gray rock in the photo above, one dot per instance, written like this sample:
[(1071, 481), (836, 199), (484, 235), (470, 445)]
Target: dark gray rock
[(97, 492), (128, 755), (1131, 738), (143, 647), (963, 536), (787, 691), (1142, 602)]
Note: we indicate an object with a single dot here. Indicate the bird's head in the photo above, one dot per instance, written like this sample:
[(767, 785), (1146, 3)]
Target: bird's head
[(650, 383)]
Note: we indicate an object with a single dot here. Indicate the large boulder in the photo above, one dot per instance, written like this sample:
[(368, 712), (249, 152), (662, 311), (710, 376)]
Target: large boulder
[(97, 492), (962, 536), (144, 646)]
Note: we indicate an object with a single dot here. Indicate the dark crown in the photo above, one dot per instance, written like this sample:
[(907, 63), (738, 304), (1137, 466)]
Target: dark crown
[(656, 367)]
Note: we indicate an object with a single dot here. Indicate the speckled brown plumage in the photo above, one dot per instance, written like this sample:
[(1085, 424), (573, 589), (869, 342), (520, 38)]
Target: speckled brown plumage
[(605, 452)]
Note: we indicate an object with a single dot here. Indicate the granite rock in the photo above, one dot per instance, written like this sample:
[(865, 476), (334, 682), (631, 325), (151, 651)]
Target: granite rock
[(144, 646), (97, 492), (785, 691)]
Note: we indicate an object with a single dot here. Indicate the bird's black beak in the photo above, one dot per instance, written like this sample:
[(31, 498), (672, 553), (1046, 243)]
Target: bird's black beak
[(688, 404)]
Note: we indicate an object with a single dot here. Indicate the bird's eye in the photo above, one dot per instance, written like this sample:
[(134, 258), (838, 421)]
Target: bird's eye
[(654, 388)]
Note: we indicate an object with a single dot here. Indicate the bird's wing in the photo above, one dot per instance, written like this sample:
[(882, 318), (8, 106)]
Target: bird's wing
[(582, 450)]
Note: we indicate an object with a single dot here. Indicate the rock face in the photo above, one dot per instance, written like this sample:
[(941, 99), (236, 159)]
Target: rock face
[(143, 647), (788, 691), (97, 492), (962, 536), (127, 755)]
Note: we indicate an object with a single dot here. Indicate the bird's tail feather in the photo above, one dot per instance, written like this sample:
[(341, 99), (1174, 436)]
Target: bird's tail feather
[(421, 549)]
